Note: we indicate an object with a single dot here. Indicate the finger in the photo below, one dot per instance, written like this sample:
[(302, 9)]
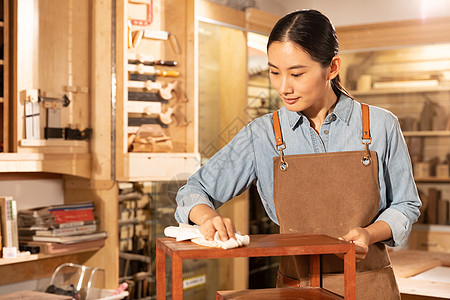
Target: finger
[(351, 235), (231, 229), (208, 230), (221, 229)]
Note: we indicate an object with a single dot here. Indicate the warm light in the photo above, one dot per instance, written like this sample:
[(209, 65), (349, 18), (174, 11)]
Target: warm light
[(257, 41), (432, 7)]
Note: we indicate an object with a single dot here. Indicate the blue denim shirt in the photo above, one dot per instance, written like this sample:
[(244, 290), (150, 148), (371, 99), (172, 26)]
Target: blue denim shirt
[(248, 158)]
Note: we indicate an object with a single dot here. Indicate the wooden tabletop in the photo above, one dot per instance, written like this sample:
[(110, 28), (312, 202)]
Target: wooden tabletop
[(260, 245)]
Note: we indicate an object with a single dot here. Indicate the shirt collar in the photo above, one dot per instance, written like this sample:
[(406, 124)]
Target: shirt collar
[(342, 110)]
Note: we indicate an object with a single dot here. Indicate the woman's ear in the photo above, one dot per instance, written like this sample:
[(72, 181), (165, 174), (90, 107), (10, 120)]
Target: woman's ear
[(335, 67)]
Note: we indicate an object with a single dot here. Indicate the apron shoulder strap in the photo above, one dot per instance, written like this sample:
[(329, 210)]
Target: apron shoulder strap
[(277, 128), (279, 139), (365, 122)]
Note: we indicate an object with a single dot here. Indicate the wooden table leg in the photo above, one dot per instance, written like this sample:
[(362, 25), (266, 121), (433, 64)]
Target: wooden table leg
[(314, 271), (160, 273), (350, 275), (177, 277)]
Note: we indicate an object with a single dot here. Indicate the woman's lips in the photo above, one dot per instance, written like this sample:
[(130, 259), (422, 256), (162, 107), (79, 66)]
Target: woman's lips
[(290, 100)]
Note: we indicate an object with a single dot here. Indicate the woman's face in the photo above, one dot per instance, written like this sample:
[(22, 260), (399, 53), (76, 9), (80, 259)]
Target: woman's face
[(302, 83)]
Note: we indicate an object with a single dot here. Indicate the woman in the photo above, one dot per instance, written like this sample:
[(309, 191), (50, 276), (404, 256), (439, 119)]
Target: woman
[(323, 163)]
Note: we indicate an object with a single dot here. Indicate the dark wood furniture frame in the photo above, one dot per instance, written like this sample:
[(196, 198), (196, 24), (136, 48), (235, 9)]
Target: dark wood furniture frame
[(260, 245)]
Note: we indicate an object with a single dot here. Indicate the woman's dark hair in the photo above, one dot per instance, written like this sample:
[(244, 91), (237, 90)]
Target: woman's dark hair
[(314, 33)]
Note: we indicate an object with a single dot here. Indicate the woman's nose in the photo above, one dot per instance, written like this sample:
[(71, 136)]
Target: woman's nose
[(286, 87)]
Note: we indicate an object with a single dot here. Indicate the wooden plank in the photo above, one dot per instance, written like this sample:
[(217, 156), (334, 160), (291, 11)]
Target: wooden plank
[(14, 95), (407, 263), (101, 89), (36, 269), (192, 82), (107, 212), (6, 75), (394, 34), (260, 21), (52, 163), (121, 138), (220, 13), (439, 290), (34, 295), (278, 294)]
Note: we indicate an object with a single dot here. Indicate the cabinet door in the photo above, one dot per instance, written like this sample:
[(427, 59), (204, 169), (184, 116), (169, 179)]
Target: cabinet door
[(51, 75)]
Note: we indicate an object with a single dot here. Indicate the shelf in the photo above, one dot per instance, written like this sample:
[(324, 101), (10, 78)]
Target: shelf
[(427, 133), (1, 100), (2, 62), (401, 91), (160, 166), (431, 227), (2, 24), (55, 143), (431, 180), (69, 164), (35, 257)]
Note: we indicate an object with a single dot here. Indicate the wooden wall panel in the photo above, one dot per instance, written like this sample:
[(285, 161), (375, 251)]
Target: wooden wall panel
[(394, 34)]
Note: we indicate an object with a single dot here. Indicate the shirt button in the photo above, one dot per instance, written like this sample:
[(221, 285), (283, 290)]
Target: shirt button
[(325, 131)]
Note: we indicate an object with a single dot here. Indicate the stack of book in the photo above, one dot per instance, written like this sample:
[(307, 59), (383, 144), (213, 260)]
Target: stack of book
[(66, 224), (8, 225)]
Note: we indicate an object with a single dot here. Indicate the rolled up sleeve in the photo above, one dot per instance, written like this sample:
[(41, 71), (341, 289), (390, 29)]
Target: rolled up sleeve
[(402, 199), (227, 174)]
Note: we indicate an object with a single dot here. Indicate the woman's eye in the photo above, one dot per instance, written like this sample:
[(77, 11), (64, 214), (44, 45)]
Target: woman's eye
[(296, 75), (273, 73)]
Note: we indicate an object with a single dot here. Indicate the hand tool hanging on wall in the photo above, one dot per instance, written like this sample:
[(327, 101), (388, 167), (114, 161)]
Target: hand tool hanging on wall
[(165, 89), (53, 130), (147, 108), (161, 35), (138, 121), (77, 134), (174, 112), (147, 21), (150, 70), (32, 114), (149, 60), (145, 96)]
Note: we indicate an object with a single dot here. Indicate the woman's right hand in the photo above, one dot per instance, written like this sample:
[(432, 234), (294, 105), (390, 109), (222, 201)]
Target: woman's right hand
[(210, 222), (224, 227)]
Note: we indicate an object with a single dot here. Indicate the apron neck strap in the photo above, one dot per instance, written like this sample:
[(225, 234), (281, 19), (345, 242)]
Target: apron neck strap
[(279, 139), (365, 126), (277, 129), (365, 139), (365, 123)]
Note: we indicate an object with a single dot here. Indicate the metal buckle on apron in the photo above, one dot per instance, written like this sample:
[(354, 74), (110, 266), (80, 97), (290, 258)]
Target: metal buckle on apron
[(283, 163), (366, 160)]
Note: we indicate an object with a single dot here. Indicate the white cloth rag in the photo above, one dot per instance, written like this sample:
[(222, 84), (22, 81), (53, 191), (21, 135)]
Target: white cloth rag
[(188, 232)]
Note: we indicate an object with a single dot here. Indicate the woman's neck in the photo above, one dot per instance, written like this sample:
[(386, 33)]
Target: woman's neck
[(317, 115)]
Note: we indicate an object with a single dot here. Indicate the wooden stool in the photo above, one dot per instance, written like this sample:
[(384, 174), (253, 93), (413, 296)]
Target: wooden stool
[(260, 245)]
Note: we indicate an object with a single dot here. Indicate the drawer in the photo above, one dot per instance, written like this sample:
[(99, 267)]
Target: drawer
[(160, 166)]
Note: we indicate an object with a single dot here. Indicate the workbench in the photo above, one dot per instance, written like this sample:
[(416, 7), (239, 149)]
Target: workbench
[(411, 268), (260, 245)]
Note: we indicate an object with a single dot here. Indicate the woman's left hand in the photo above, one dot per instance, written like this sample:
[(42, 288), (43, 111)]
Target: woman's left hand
[(361, 238)]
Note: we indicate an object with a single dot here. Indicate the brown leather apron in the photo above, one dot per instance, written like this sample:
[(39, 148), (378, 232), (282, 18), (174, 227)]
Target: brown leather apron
[(331, 193)]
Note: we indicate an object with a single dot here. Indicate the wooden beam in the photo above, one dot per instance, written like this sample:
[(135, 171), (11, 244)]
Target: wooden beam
[(260, 21), (394, 34), (221, 13)]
